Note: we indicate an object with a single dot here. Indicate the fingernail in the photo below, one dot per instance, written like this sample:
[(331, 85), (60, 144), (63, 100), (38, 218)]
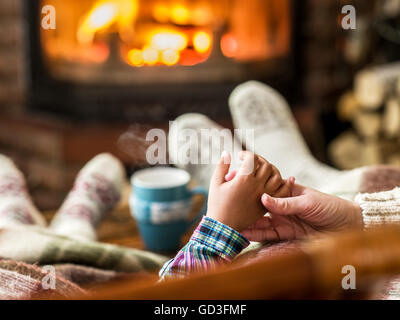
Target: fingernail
[(264, 197), (225, 156)]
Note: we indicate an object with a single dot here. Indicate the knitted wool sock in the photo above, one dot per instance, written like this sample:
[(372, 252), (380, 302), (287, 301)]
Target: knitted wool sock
[(96, 190), (380, 207), (254, 105), (182, 148), (16, 207)]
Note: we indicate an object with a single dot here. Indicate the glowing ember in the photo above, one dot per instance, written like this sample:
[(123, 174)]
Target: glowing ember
[(150, 56), (168, 39), (229, 45), (202, 41), (135, 57), (170, 57)]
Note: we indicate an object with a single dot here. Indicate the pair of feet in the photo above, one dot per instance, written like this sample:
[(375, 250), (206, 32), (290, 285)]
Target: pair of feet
[(97, 188), (261, 111)]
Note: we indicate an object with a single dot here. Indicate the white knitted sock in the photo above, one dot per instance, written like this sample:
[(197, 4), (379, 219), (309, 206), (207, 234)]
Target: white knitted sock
[(16, 206), (254, 105), (204, 147), (380, 207), (97, 189)]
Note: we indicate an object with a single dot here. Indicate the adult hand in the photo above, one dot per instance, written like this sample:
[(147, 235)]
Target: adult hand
[(308, 211)]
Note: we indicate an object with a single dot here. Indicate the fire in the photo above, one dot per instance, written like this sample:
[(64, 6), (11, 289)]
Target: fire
[(166, 46), (105, 13), (229, 45), (168, 39), (202, 41), (155, 44), (135, 57), (170, 57), (180, 14)]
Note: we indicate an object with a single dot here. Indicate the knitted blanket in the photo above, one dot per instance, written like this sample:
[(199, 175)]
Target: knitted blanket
[(88, 264), (41, 246), (19, 281)]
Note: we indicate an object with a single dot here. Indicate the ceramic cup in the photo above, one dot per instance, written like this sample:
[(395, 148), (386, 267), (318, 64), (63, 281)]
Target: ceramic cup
[(161, 203)]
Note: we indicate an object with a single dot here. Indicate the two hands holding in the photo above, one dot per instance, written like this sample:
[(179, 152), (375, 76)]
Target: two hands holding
[(240, 199)]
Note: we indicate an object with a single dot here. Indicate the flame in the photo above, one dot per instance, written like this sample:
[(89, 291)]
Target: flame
[(103, 14), (170, 57), (150, 56), (170, 46), (161, 12), (168, 39), (202, 41), (180, 14), (135, 57), (167, 45)]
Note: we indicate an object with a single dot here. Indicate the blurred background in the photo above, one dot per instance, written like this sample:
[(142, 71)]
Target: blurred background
[(112, 69)]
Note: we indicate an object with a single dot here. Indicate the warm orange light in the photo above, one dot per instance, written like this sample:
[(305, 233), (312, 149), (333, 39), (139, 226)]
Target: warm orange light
[(161, 13), (202, 41), (201, 15), (100, 17), (180, 14), (229, 45), (150, 56), (103, 14), (170, 57), (135, 57), (168, 39)]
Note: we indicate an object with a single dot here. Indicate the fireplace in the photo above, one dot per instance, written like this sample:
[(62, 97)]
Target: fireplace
[(150, 60)]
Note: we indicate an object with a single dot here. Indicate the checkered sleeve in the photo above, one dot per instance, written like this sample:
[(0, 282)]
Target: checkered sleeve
[(211, 244)]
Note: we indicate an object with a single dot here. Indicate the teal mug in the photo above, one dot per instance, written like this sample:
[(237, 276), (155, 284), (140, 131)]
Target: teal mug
[(161, 203)]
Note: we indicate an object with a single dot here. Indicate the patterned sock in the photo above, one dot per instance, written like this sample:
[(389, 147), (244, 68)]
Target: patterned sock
[(16, 207), (202, 146), (96, 191), (254, 105)]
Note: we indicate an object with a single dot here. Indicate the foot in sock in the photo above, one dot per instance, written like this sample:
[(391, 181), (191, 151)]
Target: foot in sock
[(254, 105), (16, 206), (207, 145), (97, 189)]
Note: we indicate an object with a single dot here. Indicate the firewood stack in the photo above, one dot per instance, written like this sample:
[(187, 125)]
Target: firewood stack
[(373, 108)]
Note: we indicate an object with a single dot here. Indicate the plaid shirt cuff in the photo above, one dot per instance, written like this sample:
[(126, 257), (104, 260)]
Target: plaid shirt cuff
[(223, 239)]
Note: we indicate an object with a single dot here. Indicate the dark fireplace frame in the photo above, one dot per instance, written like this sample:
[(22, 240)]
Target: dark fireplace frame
[(144, 104)]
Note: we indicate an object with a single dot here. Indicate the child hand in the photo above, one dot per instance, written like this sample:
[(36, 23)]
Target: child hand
[(275, 186), (236, 203)]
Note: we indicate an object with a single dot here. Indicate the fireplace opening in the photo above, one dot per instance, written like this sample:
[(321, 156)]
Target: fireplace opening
[(154, 59)]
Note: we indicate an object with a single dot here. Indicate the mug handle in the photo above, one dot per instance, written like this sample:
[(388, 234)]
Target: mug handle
[(203, 211)]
